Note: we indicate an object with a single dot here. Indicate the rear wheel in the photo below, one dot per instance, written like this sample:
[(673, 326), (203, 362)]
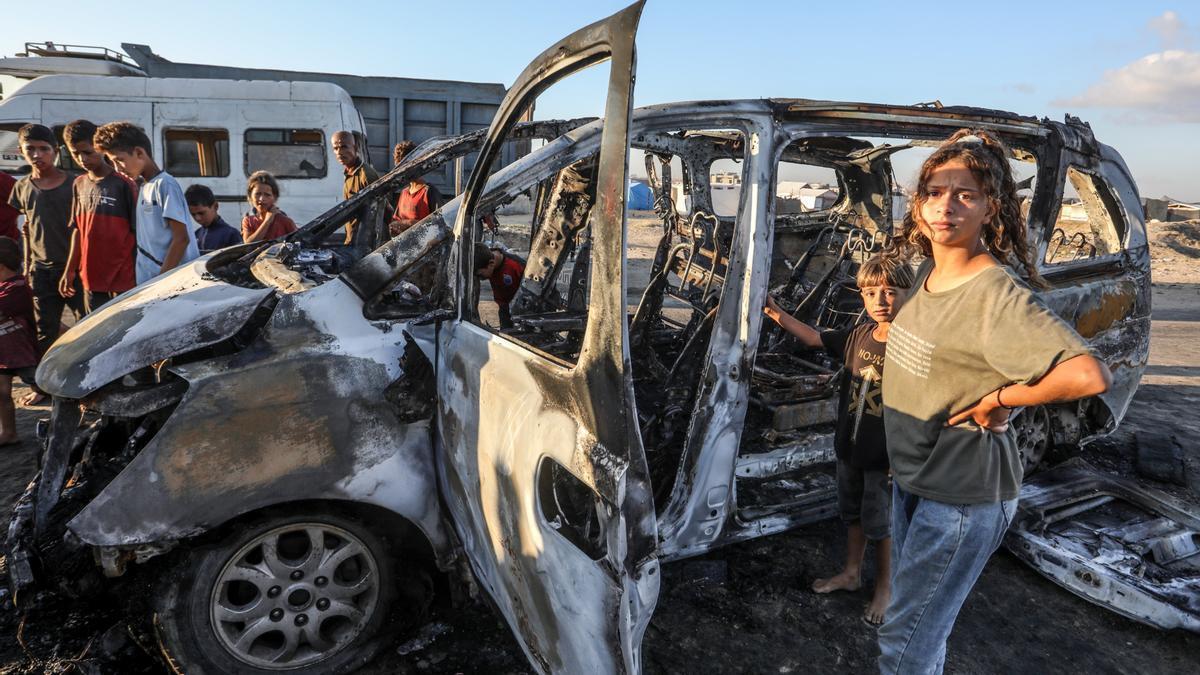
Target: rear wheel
[(1032, 427), (302, 594)]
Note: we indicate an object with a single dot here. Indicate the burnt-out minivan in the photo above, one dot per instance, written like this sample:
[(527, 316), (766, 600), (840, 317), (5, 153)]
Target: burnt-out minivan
[(288, 439)]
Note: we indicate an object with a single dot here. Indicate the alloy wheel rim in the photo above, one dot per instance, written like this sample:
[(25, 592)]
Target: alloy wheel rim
[(294, 596), (1032, 428)]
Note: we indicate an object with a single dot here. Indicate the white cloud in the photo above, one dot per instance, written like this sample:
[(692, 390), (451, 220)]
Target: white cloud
[(1171, 30), (1165, 85)]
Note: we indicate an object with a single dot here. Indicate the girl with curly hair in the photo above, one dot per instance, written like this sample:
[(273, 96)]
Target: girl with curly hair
[(972, 344)]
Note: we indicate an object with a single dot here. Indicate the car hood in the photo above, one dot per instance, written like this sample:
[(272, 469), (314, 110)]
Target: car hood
[(178, 312)]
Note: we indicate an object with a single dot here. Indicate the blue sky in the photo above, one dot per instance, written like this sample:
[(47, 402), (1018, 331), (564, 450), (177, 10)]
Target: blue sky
[(1131, 69)]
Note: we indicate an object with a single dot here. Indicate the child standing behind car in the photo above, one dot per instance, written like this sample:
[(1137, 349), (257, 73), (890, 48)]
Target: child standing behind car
[(163, 239), (266, 222), (214, 233), (863, 488), (18, 339), (103, 214)]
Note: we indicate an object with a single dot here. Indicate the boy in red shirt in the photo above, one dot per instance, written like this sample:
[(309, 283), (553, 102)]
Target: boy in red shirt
[(103, 208), (18, 337), (504, 271), (267, 221)]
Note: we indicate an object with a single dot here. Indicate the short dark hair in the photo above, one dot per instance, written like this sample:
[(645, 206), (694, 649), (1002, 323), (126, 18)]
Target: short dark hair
[(79, 131), (483, 256), (403, 148), (199, 195), (36, 132), (10, 254), (122, 137), (262, 178)]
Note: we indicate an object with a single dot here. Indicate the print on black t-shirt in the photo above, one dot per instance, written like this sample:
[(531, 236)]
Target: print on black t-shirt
[(859, 439)]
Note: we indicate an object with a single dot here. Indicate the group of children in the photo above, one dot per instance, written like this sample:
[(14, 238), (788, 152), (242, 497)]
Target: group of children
[(90, 237)]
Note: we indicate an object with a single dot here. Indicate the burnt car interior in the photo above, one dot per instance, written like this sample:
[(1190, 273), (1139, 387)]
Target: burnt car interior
[(786, 454), (785, 459)]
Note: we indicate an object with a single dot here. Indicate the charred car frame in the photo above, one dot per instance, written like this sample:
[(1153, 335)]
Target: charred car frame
[(281, 423)]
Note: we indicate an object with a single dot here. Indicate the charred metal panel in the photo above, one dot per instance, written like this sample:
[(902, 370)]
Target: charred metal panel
[(566, 214), (810, 449), (702, 503), (118, 400), (389, 262), (298, 415), (65, 420), (1124, 547), (569, 608), (178, 312), (505, 410)]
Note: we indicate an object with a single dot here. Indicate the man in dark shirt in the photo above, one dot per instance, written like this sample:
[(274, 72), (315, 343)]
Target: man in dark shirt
[(358, 172), (504, 272), (214, 233), (44, 196)]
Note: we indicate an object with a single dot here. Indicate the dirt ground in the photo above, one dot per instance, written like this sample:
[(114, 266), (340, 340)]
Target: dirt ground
[(748, 608)]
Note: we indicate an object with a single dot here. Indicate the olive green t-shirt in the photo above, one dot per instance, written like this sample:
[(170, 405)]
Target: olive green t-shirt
[(946, 351)]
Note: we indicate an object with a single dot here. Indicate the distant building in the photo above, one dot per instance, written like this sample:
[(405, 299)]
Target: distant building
[(812, 196)]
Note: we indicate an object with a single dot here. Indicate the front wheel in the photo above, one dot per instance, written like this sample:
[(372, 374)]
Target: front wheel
[(302, 594)]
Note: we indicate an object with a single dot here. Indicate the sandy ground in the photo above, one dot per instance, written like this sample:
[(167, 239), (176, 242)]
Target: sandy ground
[(747, 608)]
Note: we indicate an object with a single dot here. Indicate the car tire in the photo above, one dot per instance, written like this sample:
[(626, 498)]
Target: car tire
[(1034, 436), (303, 593)]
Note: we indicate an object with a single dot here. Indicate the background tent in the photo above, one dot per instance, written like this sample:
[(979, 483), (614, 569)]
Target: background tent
[(639, 197)]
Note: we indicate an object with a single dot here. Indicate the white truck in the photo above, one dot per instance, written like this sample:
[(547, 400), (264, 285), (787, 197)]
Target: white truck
[(214, 132)]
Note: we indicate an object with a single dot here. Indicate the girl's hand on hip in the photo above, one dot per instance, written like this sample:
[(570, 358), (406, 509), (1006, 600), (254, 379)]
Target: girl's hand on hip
[(987, 413)]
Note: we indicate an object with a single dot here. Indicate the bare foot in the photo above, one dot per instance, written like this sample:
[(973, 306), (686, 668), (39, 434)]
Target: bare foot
[(33, 398), (878, 605), (846, 580)]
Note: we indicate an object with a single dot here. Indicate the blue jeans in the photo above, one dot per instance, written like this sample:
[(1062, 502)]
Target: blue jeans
[(938, 553)]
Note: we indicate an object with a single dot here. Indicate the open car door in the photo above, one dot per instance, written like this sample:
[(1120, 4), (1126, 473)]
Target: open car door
[(541, 463)]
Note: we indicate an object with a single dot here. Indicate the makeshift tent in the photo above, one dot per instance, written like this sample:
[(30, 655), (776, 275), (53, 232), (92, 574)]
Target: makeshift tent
[(640, 197)]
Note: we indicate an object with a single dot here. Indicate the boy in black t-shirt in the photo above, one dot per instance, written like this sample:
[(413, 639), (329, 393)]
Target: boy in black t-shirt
[(863, 487)]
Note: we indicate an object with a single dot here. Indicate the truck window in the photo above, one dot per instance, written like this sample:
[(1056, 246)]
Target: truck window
[(196, 153), (286, 153)]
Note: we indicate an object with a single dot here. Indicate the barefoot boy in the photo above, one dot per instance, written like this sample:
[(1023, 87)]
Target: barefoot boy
[(164, 240), (863, 489), (18, 340), (102, 222)]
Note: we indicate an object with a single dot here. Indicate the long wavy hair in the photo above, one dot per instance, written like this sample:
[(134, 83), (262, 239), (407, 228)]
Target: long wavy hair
[(1004, 233)]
